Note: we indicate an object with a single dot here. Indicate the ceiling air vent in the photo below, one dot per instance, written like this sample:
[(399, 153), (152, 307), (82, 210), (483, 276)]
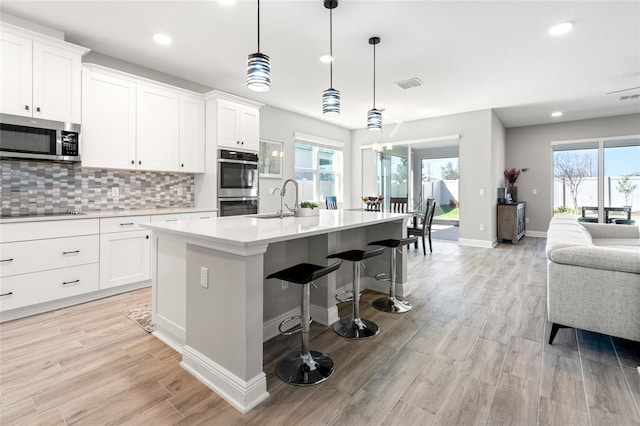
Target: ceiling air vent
[(629, 97), (409, 84)]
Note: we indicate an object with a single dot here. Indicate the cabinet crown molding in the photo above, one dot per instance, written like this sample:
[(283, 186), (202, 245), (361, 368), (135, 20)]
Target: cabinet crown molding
[(217, 94), (42, 38)]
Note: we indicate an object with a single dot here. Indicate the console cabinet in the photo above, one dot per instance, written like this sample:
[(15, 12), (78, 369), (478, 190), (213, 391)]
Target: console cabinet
[(511, 222), (40, 75)]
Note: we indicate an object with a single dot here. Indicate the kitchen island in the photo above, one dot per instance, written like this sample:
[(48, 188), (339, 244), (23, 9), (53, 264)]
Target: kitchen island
[(211, 300)]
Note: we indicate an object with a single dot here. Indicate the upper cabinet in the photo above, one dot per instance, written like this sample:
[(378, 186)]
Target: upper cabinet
[(133, 123), (236, 121), (40, 76)]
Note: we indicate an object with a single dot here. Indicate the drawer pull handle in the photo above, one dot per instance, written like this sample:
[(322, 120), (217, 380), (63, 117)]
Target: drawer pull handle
[(7, 260), (70, 282), (205, 217), (127, 224), (172, 220), (71, 252), (9, 293)]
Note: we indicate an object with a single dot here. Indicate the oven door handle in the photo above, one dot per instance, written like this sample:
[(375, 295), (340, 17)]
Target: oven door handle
[(224, 160), (221, 199)]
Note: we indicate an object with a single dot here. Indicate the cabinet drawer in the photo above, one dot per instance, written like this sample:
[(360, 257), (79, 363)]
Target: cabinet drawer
[(122, 223), (28, 289), (171, 217), (204, 215), (23, 231), (33, 256)]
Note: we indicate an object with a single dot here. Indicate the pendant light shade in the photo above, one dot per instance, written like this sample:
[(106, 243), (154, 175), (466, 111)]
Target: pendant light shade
[(374, 116), (331, 96), (258, 67)]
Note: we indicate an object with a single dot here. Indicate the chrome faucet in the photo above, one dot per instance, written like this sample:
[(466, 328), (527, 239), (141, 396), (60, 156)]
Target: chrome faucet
[(283, 192), (280, 213)]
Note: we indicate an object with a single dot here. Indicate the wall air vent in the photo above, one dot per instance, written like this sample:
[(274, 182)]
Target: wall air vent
[(409, 84), (629, 97)]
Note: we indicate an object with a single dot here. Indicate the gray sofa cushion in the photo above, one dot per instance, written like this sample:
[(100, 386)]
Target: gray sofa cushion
[(597, 257)]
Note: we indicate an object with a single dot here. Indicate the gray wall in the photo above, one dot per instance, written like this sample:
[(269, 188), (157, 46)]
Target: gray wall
[(530, 147), (280, 125), (478, 130)]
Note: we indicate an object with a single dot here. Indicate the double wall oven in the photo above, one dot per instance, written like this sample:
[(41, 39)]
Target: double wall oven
[(237, 183)]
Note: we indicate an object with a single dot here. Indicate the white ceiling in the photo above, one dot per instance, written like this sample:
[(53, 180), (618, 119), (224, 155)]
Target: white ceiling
[(471, 55)]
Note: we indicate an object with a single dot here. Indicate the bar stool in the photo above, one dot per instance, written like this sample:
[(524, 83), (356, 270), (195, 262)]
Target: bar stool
[(304, 367), (392, 304), (355, 327)]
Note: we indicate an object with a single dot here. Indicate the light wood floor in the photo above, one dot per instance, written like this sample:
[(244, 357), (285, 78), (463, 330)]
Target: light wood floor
[(472, 351)]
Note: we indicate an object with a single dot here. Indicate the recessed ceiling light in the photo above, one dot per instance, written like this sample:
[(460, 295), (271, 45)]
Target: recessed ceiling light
[(556, 114), (560, 29), (326, 59), (162, 39)]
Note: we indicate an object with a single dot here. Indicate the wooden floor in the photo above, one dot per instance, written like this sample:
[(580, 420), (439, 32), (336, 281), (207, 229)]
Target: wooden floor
[(471, 351)]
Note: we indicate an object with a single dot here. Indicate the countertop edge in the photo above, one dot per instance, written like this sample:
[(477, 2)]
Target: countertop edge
[(108, 213)]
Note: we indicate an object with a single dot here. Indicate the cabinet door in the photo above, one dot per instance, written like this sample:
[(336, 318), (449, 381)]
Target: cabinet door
[(15, 77), (125, 258), (228, 123), (192, 150), (56, 83), (250, 128), (109, 122), (158, 130)]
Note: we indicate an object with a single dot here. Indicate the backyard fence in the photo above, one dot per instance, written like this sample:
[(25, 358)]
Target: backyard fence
[(588, 193)]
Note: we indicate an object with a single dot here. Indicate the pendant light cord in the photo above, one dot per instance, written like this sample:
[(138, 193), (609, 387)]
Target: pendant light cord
[(374, 76), (331, 47), (258, 26)]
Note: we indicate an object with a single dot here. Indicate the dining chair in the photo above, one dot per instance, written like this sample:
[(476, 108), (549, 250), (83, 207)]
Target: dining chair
[(425, 228), (398, 204), (332, 203)]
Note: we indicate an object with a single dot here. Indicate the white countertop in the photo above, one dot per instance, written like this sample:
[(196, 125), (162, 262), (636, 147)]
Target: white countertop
[(245, 231), (107, 213)]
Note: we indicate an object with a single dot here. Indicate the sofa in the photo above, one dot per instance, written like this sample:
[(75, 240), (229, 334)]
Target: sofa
[(593, 277)]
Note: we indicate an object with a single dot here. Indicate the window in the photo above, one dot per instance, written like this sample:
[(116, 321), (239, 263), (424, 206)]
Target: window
[(318, 172)]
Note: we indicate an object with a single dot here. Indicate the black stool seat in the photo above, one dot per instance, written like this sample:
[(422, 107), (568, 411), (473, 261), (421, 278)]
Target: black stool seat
[(356, 255), (303, 273), (394, 243), (624, 221)]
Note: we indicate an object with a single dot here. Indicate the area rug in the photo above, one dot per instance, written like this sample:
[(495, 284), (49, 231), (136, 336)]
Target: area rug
[(141, 316)]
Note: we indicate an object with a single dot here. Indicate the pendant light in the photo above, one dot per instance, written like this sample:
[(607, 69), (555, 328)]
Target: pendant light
[(374, 116), (331, 96), (258, 67)]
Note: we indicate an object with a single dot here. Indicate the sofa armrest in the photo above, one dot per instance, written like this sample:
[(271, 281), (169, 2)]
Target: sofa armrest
[(595, 257), (607, 230)]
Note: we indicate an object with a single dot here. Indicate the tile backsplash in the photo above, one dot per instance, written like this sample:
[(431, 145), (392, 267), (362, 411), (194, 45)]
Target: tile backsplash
[(30, 187)]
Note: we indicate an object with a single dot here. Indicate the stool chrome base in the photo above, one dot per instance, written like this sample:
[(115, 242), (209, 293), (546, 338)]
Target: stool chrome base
[(305, 369), (392, 305), (356, 328)]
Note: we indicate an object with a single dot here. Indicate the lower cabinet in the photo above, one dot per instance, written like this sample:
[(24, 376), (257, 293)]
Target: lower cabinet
[(125, 258)]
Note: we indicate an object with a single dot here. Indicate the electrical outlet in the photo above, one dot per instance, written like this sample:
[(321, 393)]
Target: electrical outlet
[(481, 191), (285, 285), (482, 227), (526, 219), (179, 191), (115, 191), (534, 192), (204, 277)]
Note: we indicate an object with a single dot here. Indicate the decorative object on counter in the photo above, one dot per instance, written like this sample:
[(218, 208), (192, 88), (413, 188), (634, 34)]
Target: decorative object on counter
[(331, 96), (373, 203), (141, 316), (258, 67), (502, 195), (270, 157), (332, 203), (308, 208), (511, 176), (374, 116), (40, 187)]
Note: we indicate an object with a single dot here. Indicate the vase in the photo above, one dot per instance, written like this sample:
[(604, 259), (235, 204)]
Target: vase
[(513, 191)]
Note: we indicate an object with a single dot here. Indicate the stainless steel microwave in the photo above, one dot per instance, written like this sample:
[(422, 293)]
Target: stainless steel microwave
[(26, 137)]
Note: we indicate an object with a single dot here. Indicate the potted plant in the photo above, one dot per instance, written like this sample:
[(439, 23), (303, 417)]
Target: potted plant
[(511, 176), (308, 208), (626, 188)]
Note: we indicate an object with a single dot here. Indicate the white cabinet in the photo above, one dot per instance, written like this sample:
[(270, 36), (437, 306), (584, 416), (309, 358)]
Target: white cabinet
[(41, 263), (125, 251), (108, 121), (133, 123), (237, 125), (192, 134), (40, 76)]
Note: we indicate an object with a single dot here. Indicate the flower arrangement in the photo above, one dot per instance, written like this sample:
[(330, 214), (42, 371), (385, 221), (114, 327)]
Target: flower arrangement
[(511, 175)]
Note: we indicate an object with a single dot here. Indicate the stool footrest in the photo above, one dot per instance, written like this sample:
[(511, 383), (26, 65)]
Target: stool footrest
[(383, 276), (348, 299), (294, 331)]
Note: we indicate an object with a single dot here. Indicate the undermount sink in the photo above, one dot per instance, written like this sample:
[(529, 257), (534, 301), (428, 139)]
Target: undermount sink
[(271, 215)]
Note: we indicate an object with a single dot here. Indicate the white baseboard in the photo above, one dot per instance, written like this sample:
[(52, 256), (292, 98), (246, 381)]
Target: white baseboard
[(169, 333), (536, 234), (243, 395), (323, 315), (477, 243)]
